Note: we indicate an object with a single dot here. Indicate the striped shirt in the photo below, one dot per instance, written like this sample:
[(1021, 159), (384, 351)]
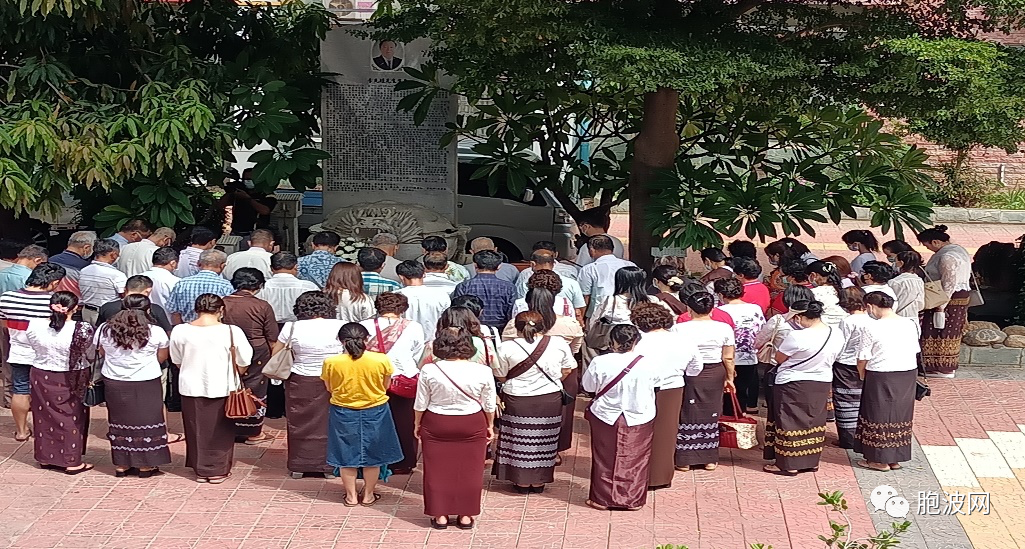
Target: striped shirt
[(375, 285), (101, 283), (16, 309)]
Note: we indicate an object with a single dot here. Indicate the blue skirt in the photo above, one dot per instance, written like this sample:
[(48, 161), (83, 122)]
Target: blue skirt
[(362, 438)]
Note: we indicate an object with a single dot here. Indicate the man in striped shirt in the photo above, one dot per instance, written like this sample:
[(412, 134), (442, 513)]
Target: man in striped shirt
[(371, 260), (17, 308)]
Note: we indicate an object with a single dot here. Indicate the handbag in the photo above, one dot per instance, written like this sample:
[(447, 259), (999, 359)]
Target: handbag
[(532, 358), (935, 295), (598, 334), (279, 366), (95, 393), (400, 386), (975, 293), (241, 403), (739, 430), (922, 389), (767, 352)]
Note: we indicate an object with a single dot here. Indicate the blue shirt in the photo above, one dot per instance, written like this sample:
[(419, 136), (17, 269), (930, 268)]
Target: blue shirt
[(375, 285), (121, 241), (69, 259), (317, 266), (498, 296), (182, 299), (13, 278)]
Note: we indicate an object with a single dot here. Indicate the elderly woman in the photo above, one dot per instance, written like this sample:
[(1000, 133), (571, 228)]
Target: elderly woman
[(532, 367), (212, 356), (943, 326), (361, 433), (59, 378), (313, 338), (674, 355), (256, 318), (797, 420), (133, 350), (403, 341), (699, 419), (455, 411), (847, 382), (887, 362), (622, 420)]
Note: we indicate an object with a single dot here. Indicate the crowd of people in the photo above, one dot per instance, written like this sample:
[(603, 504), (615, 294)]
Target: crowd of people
[(393, 365)]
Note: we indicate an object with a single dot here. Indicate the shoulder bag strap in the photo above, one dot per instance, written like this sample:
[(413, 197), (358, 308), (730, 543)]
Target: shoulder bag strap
[(461, 390), (380, 336), (291, 332), (824, 343), (543, 372), (617, 379), (231, 353), (531, 360)]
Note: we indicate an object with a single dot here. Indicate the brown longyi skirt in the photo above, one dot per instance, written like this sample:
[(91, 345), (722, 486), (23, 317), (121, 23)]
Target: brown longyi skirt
[(404, 417), (886, 416), (572, 386), (60, 420), (799, 423), (306, 414), (138, 433), (663, 446), (256, 382), (209, 436), (453, 455), (620, 462)]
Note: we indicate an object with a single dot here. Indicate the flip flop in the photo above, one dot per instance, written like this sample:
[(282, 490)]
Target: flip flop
[(372, 502), (19, 439), (770, 468), (218, 480), (345, 502), (178, 437), (264, 437), (468, 526), (711, 466), (896, 466), (594, 505), (88, 467), (866, 465)]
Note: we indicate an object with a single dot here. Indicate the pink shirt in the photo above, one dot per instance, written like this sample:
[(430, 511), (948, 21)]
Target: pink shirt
[(717, 315), (757, 293)]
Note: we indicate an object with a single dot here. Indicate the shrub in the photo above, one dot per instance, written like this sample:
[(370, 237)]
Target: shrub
[(961, 186), (1006, 200)]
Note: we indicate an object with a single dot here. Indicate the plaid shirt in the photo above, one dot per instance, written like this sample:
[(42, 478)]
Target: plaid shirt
[(375, 285), (498, 296), (317, 266), (183, 296)]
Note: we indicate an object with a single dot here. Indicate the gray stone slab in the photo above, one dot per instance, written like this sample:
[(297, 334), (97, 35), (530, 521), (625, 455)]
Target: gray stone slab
[(992, 372), (965, 357), (916, 476), (988, 356)]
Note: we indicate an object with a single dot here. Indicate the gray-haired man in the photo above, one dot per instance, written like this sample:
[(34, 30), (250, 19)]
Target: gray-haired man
[(389, 244)]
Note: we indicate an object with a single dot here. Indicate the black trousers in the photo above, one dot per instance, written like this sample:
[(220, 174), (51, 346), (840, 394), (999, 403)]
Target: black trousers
[(172, 398), (747, 385)]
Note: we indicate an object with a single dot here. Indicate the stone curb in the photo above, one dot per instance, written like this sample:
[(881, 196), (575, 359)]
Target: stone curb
[(991, 356), (940, 215)]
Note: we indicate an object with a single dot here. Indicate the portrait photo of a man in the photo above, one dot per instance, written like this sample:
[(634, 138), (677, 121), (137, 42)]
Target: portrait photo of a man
[(388, 59)]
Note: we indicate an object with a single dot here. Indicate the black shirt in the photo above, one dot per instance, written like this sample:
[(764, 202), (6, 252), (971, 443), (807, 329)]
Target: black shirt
[(108, 310), (244, 218)]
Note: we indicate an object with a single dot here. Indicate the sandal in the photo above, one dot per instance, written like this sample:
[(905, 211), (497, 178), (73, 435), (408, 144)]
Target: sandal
[(895, 466), (467, 526), (23, 439), (264, 437), (218, 480), (558, 459), (437, 525), (345, 502), (126, 472), (594, 505), (684, 468), (372, 502), (84, 468), (150, 473), (866, 465), (178, 437), (711, 466), (770, 468)]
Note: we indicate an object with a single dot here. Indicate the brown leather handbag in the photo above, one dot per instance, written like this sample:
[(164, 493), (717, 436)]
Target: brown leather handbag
[(241, 403)]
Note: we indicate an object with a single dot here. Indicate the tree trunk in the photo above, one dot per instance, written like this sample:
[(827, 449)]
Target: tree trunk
[(655, 148)]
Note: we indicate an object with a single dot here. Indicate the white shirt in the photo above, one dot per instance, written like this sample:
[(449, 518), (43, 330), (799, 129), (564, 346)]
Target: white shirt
[(313, 341), (388, 271), (633, 397), (811, 355), (137, 257), (139, 364), (869, 288), (204, 356), (255, 257), (570, 287), (674, 353), (561, 306), (436, 394), (440, 280), (832, 312), (598, 279), (281, 291), (710, 336), (52, 349), (355, 311), (426, 303), (505, 271), (858, 263), (910, 291), (163, 281), (188, 261), (101, 283), (952, 266), (851, 328), (616, 308), (564, 270), (556, 358), (747, 320), (408, 348), (776, 329), (584, 256), (890, 345)]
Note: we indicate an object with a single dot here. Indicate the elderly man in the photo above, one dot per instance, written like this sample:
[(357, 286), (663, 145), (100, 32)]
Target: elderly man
[(454, 271), (498, 295), (283, 288), (100, 282), (75, 258), (317, 265), (543, 260), (14, 277), (133, 231), (505, 271), (435, 265), (137, 257), (257, 256), (182, 301), (389, 244)]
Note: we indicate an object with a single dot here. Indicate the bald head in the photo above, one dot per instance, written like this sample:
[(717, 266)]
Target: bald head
[(542, 260), (482, 244)]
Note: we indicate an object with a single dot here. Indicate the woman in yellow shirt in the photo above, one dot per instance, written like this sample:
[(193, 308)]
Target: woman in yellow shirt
[(361, 433)]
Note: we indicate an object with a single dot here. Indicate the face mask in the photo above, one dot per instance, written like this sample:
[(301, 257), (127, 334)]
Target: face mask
[(893, 261), (853, 247), (795, 324), (248, 183)]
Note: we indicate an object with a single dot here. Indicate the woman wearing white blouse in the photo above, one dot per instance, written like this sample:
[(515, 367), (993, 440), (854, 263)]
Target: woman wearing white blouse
[(887, 361), (876, 276), (622, 421), (454, 413), (796, 426), (532, 367), (674, 354), (863, 242), (404, 342), (705, 384), (313, 338), (943, 326), (908, 285), (631, 290), (847, 382), (203, 350)]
